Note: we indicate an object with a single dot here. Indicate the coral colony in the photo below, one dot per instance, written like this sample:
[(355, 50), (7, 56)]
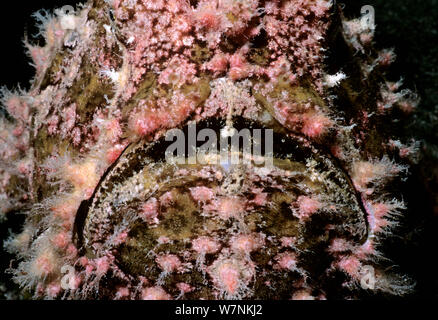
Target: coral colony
[(83, 153)]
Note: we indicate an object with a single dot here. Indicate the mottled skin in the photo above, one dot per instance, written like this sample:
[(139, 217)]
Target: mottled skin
[(184, 219)]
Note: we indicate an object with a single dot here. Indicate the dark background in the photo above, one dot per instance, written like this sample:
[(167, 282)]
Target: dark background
[(409, 26)]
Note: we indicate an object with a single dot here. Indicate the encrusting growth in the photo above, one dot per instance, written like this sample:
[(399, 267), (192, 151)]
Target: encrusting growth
[(82, 153)]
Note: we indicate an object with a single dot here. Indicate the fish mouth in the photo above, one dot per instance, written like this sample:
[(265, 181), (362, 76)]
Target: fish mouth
[(165, 206)]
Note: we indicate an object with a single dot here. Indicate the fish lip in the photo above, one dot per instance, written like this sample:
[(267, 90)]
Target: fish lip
[(83, 210)]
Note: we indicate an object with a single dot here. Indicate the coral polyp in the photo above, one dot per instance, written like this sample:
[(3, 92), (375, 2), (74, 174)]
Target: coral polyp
[(83, 153)]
